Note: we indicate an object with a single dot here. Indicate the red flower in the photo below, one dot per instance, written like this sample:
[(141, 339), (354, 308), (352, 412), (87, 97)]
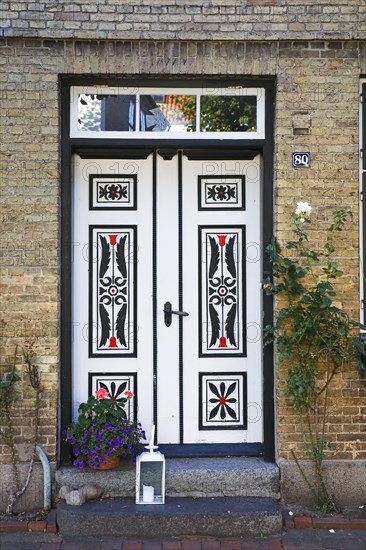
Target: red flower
[(222, 343), (222, 400), (222, 239), (101, 393), (112, 239), (112, 342), (129, 394)]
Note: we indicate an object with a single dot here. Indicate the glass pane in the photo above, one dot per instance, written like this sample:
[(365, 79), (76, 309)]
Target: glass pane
[(106, 112), (228, 113), (151, 478), (167, 113)]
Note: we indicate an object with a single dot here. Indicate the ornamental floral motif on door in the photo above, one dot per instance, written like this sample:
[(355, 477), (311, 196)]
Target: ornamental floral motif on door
[(223, 401), (112, 291), (117, 385), (222, 327)]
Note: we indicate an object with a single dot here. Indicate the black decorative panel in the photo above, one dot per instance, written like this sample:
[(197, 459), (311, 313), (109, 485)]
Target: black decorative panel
[(112, 272), (223, 401), (222, 331), (221, 192), (116, 385), (112, 192)]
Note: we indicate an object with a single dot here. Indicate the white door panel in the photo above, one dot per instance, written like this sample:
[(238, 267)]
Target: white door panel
[(190, 231), (167, 290), (131, 361), (209, 365)]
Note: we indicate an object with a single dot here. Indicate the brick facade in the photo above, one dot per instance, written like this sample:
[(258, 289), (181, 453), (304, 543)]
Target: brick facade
[(316, 55), (196, 20)]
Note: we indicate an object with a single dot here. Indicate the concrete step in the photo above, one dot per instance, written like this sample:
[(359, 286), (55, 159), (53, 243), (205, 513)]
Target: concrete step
[(186, 477), (216, 517)]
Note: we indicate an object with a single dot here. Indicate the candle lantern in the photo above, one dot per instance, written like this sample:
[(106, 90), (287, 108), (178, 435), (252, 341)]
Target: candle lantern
[(150, 475)]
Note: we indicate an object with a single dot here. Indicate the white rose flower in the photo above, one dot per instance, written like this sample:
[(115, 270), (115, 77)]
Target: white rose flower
[(303, 208), (303, 211)]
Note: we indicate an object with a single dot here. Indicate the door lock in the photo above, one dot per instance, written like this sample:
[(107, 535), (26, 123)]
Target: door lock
[(168, 312)]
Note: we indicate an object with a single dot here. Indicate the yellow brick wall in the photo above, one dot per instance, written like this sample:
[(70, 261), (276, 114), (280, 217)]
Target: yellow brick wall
[(172, 20), (317, 109)]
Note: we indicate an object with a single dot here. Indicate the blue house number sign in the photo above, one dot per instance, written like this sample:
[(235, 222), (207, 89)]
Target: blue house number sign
[(301, 160)]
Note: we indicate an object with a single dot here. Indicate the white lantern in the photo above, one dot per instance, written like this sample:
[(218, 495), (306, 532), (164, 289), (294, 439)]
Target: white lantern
[(150, 475)]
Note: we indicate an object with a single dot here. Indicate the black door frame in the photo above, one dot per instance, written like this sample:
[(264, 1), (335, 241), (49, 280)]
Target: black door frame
[(121, 148)]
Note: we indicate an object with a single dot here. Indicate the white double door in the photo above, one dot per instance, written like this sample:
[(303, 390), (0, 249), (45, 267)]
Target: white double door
[(166, 274)]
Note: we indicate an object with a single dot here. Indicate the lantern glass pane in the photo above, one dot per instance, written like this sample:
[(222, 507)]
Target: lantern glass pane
[(151, 481)]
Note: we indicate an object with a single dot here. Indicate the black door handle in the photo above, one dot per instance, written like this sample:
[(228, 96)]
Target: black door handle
[(168, 312)]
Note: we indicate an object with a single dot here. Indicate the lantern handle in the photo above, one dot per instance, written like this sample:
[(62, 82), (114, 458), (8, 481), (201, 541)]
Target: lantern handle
[(151, 447)]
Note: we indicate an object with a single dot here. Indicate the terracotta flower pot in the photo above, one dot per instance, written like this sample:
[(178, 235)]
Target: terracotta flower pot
[(109, 464)]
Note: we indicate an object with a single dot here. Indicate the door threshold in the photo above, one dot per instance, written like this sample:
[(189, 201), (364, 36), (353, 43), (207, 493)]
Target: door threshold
[(211, 449)]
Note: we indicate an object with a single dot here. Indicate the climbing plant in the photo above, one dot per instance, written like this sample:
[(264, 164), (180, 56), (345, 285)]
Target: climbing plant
[(8, 397), (314, 336)]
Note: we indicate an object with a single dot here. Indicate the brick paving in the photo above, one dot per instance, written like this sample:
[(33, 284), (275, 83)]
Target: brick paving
[(299, 539), (300, 532)]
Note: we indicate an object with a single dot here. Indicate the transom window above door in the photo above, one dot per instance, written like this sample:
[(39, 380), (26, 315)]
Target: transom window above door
[(233, 112)]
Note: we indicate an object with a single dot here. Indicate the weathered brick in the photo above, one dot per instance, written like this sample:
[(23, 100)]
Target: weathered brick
[(303, 522), (310, 20), (305, 46)]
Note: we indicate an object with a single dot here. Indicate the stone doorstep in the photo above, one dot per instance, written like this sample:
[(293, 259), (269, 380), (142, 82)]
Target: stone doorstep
[(216, 516), (186, 477), (289, 522)]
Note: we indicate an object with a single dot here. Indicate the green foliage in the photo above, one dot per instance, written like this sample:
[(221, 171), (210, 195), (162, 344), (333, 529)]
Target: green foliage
[(103, 430), (227, 114), (325, 507), (220, 113), (311, 331), (105, 410), (8, 396)]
